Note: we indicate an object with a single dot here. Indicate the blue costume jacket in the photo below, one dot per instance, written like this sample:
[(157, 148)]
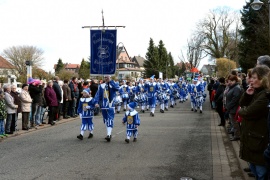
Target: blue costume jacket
[(106, 94), (86, 107), (132, 119)]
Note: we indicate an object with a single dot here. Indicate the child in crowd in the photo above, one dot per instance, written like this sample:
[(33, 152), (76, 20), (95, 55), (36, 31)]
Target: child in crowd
[(86, 111), (3, 114), (133, 121)]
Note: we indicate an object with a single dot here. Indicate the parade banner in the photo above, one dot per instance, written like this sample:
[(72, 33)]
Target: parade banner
[(103, 52)]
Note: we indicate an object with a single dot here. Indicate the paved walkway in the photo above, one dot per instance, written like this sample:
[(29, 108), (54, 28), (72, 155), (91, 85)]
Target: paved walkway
[(226, 162)]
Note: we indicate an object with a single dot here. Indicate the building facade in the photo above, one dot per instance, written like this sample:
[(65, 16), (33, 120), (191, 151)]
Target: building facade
[(127, 68)]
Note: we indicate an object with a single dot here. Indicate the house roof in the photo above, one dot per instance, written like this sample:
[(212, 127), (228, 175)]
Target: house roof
[(140, 60), (120, 61), (69, 66), (4, 64), (129, 69), (72, 66)]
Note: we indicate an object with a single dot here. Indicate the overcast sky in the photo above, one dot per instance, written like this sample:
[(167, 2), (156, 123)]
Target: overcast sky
[(56, 25)]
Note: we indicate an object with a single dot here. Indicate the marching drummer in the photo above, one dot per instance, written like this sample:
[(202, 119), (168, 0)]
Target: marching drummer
[(140, 92), (124, 91)]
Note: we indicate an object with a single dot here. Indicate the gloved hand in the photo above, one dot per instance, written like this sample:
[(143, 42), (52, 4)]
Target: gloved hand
[(80, 115), (87, 107)]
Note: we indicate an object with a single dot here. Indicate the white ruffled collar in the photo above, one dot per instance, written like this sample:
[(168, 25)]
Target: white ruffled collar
[(134, 112)]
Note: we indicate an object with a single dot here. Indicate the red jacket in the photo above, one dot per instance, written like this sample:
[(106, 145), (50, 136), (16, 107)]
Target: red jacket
[(50, 96)]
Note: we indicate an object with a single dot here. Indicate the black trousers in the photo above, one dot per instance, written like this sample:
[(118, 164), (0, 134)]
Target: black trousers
[(219, 108), (52, 113), (65, 108), (25, 120)]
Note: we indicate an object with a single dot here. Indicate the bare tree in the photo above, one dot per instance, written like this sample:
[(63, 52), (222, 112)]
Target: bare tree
[(220, 33), (17, 55), (194, 53)]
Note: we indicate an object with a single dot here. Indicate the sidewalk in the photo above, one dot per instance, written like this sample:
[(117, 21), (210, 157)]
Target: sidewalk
[(20, 131), (225, 153)]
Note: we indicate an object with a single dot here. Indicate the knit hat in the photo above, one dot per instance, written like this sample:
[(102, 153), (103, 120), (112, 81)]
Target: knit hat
[(24, 85), (132, 105)]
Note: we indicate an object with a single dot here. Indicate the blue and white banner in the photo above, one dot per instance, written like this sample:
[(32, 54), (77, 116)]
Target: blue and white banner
[(103, 52)]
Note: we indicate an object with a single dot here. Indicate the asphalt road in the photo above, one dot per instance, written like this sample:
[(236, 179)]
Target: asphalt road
[(170, 146)]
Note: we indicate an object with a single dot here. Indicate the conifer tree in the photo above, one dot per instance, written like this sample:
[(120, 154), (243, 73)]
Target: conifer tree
[(254, 35), (150, 64), (84, 71), (59, 66)]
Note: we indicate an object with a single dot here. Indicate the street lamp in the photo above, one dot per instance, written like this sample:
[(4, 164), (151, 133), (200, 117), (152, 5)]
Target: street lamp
[(256, 5)]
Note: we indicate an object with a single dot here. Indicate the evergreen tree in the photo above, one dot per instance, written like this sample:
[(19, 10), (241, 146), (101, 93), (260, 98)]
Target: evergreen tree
[(254, 35), (172, 69), (84, 71), (163, 60), (150, 64), (59, 66)]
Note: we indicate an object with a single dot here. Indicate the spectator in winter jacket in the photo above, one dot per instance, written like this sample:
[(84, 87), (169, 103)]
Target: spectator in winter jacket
[(74, 96), (219, 100), (35, 91), (17, 100), (232, 102), (66, 99), (210, 89), (11, 110), (52, 102), (254, 131), (93, 87), (26, 101), (58, 91)]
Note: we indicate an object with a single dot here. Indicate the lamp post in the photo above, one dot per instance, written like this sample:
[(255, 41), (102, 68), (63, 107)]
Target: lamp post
[(256, 5)]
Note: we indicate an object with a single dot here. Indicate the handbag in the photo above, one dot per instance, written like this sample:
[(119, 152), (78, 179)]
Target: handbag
[(237, 117)]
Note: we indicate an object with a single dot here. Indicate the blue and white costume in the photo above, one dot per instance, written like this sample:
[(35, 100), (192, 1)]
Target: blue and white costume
[(105, 96), (132, 93), (151, 90), (200, 95), (85, 109), (182, 90), (193, 93), (141, 96), (124, 93), (132, 121), (173, 92), (163, 97)]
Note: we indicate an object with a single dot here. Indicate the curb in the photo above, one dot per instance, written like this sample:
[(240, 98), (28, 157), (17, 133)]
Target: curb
[(21, 132)]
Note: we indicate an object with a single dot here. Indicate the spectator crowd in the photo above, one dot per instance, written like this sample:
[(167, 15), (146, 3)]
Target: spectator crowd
[(56, 97), (242, 103)]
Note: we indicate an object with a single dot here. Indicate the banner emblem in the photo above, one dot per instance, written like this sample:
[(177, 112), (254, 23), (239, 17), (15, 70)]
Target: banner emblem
[(103, 52)]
